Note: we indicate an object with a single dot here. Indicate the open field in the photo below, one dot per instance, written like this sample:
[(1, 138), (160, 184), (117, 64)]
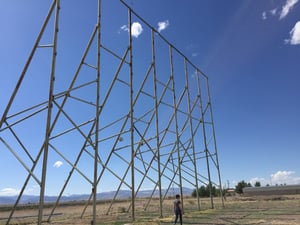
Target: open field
[(271, 210)]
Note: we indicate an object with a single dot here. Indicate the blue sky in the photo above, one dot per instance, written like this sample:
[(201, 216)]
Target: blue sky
[(250, 51)]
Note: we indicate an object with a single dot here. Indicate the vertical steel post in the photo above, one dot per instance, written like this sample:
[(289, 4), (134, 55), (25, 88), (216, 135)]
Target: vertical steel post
[(49, 114), (215, 143), (205, 142), (176, 124), (94, 190), (156, 124), (191, 131), (131, 118)]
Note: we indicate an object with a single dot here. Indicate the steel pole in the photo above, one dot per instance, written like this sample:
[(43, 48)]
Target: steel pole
[(49, 114)]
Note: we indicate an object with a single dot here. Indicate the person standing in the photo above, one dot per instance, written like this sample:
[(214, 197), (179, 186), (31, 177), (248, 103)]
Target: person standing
[(177, 209)]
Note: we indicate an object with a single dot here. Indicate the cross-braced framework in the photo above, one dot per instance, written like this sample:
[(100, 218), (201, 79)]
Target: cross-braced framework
[(135, 116)]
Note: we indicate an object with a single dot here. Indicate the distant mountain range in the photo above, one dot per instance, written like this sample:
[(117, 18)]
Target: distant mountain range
[(123, 194)]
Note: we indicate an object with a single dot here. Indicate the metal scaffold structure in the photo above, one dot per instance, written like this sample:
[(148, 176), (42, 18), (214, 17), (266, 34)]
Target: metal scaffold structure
[(132, 118)]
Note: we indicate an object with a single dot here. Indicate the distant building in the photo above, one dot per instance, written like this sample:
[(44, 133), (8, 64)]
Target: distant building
[(272, 190), (230, 191)]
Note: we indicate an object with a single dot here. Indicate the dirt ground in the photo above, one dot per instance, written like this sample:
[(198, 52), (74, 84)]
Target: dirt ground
[(268, 210)]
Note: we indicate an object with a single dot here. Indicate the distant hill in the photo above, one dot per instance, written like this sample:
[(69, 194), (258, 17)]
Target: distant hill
[(122, 194)]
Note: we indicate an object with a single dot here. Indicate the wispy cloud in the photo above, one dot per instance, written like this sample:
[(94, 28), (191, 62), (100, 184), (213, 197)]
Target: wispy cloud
[(262, 181), (193, 49), (194, 74), (287, 8), (283, 12), (294, 35), (9, 192), (124, 28), (58, 164), (163, 25), (273, 11), (136, 29)]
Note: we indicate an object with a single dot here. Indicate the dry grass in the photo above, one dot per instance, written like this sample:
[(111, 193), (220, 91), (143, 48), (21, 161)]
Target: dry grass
[(271, 210)]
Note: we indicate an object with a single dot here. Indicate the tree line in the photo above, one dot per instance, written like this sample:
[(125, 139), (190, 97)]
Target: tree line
[(204, 191)]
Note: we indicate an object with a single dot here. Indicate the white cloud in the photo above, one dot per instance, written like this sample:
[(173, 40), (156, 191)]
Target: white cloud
[(9, 192), (295, 32), (58, 164), (287, 7), (136, 29), (33, 190), (262, 181), (163, 25), (294, 35), (124, 28), (278, 178), (273, 11), (285, 177)]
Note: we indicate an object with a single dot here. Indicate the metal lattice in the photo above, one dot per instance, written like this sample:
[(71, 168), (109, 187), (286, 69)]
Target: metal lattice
[(148, 111)]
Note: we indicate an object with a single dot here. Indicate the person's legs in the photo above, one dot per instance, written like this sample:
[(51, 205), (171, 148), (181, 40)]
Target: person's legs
[(180, 217), (176, 217)]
